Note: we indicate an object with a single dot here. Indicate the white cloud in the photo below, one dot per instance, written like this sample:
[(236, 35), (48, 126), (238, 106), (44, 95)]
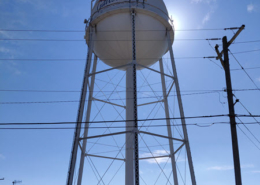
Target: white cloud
[(5, 34), (211, 7), (257, 171), (4, 50), (247, 166), (207, 17), (258, 79), (220, 168), (229, 167), (40, 5), (203, 1), (156, 153), (13, 67), (2, 156), (250, 7)]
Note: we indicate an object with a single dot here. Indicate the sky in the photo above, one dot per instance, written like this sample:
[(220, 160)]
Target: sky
[(36, 89)]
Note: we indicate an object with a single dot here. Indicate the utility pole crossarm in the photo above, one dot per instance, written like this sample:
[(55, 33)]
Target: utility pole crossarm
[(231, 40)]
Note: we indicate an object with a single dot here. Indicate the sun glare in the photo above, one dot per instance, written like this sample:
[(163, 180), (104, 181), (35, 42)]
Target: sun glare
[(176, 24)]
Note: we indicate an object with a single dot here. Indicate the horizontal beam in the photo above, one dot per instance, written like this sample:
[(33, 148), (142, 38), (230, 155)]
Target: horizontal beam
[(162, 156), (108, 69), (150, 103), (158, 135), (104, 135), (96, 99), (155, 70), (105, 157)]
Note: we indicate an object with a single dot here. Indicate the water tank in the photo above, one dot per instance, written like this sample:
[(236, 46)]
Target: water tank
[(113, 31)]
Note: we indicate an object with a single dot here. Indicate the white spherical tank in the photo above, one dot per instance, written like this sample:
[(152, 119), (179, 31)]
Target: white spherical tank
[(113, 31)]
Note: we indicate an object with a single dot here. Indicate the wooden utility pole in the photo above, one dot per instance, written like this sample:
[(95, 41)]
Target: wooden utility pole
[(225, 64)]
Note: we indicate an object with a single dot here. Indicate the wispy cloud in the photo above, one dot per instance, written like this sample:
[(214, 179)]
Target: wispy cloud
[(41, 5), (4, 50), (258, 79), (202, 1), (207, 17), (2, 156), (256, 171), (247, 166), (212, 6), (156, 153), (220, 168), (229, 167), (250, 7)]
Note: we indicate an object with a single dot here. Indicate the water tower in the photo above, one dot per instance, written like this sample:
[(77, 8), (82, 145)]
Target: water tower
[(128, 37)]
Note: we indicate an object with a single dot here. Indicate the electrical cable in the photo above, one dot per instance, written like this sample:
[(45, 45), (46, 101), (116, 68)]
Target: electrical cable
[(247, 110), (243, 42), (120, 121), (76, 101), (73, 60), (245, 71), (248, 138), (72, 91), (246, 51), (245, 68), (249, 130), (69, 31), (99, 40)]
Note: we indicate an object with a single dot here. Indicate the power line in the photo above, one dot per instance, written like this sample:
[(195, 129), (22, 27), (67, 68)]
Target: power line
[(101, 127), (249, 130), (243, 42), (245, 68), (72, 91), (99, 40), (48, 59), (141, 120), (192, 57), (116, 121), (248, 138), (249, 51), (247, 110), (244, 71), (76, 101), (71, 31)]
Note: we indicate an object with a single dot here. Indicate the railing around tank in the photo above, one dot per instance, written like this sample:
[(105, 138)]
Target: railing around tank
[(96, 11)]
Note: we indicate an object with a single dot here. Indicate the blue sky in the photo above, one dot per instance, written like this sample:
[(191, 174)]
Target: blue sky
[(42, 156)]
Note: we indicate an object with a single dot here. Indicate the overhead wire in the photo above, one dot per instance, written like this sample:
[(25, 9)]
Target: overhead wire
[(248, 137), (98, 40), (245, 71), (123, 121), (117, 127), (65, 31), (247, 110), (76, 101)]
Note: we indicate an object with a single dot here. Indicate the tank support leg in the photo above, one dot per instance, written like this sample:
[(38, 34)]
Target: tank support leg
[(167, 115), (184, 128), (132, 155), (84, 145), (80, 111)]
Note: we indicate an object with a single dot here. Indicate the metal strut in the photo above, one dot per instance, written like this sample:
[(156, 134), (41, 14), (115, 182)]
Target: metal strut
[(80, 111), (185, 133), (136, 154)]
